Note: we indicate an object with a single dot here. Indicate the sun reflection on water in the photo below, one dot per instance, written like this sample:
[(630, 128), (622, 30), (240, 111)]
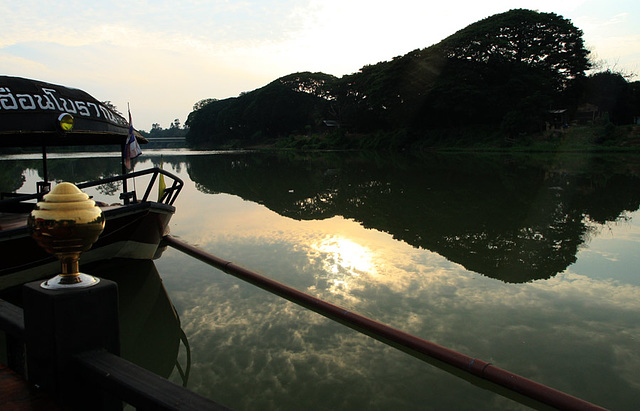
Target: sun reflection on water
[(342, 261), (345, 255)]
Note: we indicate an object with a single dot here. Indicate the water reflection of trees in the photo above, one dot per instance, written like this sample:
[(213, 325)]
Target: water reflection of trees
[(74, 170), (83, 169), (11, 177), (514, 219)]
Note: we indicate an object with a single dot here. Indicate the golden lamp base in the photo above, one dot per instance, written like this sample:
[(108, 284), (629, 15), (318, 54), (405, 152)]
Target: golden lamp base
[(65, 224), (79, 280)]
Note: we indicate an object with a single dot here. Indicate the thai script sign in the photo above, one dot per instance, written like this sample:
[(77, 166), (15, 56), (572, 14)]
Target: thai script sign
[(50, 99)]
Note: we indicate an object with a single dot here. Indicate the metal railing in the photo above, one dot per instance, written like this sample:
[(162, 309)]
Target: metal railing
[(503, 382), (169, 195)]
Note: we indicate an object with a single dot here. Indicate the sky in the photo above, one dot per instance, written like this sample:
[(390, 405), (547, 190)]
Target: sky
[(162, 56)]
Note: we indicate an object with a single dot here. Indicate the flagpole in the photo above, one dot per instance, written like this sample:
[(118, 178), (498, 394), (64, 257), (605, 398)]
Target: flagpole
[(132, 140), (123, 147), (131, 150)]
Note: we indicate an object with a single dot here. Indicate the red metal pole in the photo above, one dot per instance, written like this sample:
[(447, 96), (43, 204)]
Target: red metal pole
[(474, 366)]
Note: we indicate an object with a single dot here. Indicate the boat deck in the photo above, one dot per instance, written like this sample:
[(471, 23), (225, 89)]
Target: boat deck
[(17, 394)]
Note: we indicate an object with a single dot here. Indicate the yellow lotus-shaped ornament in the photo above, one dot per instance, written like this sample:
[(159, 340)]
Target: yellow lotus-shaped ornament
[(65, 224)]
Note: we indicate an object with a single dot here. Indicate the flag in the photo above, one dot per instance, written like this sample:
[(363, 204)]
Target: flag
[(131, 148), (161, 184)]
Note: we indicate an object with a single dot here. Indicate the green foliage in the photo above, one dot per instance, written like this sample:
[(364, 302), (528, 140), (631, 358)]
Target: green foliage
[(285, 106), (528, 115), (481, 75), (503, 73), (11, 177), (203, 103), (543, 41), (613, 95), (173, 131)]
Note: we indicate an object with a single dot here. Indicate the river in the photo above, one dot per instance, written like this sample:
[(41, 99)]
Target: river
[(529, 262)]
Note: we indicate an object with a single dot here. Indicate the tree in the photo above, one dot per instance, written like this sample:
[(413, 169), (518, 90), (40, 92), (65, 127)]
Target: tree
[(509, 69), (198, 105), (612, 94), (542, 40), (156, 130), (317, 84), (283, 107), (111, 106), (506, 62), (503, 72)]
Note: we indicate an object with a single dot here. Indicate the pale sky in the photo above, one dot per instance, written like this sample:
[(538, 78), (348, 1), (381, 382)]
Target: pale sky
[(162, 56)]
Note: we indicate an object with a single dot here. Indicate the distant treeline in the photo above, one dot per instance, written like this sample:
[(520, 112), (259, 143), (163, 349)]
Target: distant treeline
[(158, 132), (504, 77), (172, 137)]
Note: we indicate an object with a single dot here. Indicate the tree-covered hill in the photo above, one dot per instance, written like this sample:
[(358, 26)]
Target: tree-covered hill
[(286, 105), (504, 73)]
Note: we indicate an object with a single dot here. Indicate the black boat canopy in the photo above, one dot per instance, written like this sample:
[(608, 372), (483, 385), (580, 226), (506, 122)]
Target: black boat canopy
[(31, 110)]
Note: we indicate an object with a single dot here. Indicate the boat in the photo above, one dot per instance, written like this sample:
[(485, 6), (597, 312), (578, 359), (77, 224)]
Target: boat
[(150, 329), (39, 115)]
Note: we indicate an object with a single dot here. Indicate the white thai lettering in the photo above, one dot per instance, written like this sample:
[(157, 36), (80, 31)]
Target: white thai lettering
[(95, 106), (7, 101), (82, 108), (49, 92), (50, 100), (48, 106), (66, 103), (107, 113), (26, 101)]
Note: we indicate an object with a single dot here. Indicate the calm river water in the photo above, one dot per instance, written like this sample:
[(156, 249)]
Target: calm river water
[(528, 262)]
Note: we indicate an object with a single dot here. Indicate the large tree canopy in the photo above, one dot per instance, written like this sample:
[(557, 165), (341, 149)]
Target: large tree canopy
[(287, 105), (504, 72), (542, 40)]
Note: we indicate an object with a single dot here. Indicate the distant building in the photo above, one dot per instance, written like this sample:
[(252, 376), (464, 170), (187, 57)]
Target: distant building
[(558, 118), (331, 123)]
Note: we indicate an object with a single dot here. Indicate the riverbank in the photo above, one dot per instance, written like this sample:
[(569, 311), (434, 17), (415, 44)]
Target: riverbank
[(600, 138), (606, 138)]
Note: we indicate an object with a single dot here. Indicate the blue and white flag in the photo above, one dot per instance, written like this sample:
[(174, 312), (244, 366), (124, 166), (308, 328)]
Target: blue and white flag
[(131, 148)]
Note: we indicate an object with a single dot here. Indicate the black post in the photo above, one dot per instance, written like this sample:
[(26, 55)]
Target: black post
[(125, 189), (45, 173), (43, 187), (60, 324)]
